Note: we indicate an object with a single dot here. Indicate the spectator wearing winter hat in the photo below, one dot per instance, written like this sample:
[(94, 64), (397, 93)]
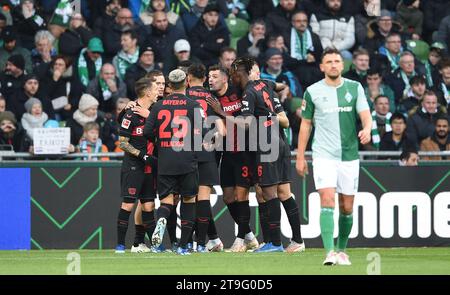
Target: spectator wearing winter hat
[(12, 133), (410, 17), (28, 22), (12, 78), (89, 62), (273, 70), (88, 112), (60, 20), (11, 48), (35, 117), (145, 64), (107, 88), (30, 89)]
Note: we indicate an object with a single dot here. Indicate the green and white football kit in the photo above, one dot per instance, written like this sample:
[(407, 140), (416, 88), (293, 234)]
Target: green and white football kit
[(334, 112)]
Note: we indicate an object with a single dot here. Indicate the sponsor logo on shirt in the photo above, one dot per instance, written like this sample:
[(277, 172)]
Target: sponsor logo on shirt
[(126, 123), (338, 110)]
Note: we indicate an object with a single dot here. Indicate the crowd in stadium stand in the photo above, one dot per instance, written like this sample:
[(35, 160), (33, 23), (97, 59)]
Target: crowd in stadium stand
[(62, 67)]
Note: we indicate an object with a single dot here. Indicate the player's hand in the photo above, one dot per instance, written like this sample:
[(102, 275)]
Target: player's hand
[(130, 105), (141, 111), (302, 167), (215, 105), (364, 136)]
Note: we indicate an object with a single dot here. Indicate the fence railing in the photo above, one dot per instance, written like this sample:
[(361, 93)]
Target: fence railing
[(364, 156)]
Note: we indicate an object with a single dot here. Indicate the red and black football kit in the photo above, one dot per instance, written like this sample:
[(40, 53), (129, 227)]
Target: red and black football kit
[(138, 179), (236, 167), (259, 100), (207, 167), (170, 127)]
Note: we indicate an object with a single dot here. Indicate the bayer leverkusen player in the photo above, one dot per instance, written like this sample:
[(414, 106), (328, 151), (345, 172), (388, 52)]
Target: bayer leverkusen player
[(172, 127)]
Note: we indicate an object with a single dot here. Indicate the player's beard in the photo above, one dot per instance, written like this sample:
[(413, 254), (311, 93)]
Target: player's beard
[(333, 77)]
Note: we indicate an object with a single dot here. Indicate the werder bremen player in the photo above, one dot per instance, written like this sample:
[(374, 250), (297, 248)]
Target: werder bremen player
[(333, 106)]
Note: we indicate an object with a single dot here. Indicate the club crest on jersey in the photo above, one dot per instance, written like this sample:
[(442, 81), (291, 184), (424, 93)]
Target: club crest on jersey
[(348, 97), (126, 123)]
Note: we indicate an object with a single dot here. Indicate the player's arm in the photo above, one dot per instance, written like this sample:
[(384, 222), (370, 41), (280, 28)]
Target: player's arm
[(362, 107), (220, 125), (125, 145), (366, 120), (303, 136), (283, 120)]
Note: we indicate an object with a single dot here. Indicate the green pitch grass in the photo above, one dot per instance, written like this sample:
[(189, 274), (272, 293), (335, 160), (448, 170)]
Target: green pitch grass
[(393, 261)]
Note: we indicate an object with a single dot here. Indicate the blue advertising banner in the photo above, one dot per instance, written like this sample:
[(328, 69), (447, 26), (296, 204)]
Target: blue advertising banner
[(15, 216)]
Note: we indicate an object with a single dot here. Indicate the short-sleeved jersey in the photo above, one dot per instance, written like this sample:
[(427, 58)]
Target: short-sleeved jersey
[(231, 103), (334, 112), (132, 126), (172, 127), (259, 100), (199, 94)]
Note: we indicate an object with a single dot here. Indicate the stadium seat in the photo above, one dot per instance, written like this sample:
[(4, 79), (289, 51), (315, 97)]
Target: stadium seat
[(233, 42), (419, 48), (237, 26)]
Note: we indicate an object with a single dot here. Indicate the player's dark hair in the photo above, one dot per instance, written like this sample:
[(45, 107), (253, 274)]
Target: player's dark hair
[(246, 63), (328, 51), (220, 69), (227, 49), (142, 85), (153, 74), (197, 70)]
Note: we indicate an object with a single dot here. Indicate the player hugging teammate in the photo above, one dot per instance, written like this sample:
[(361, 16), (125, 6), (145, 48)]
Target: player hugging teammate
[(249, 105)]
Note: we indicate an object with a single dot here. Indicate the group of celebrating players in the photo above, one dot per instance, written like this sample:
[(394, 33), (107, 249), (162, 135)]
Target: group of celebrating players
[(160, 136), (175, 145)]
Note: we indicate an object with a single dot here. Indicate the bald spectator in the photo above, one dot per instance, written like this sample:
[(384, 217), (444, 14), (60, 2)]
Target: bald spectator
[(163, 36), (335, 28), (107, 88), (209, 36), (111, 36), (154, 6)]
